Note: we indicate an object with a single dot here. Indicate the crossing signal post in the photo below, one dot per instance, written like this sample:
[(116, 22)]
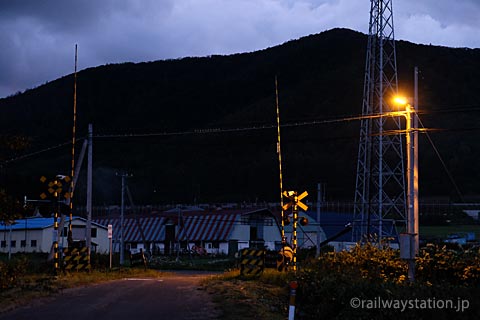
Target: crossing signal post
[(55, 188), (295, 203)]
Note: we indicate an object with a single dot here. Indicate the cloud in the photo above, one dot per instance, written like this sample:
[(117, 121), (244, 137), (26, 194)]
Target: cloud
[(434, 32), (439, 22), (38, 37)]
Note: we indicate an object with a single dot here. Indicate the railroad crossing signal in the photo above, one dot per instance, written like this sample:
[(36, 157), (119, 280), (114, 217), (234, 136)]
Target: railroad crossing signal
[(294, 204), (295, 199), (284, 257), (55, 187)]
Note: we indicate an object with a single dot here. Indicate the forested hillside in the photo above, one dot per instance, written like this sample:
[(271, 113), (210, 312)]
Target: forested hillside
[(319, 76)]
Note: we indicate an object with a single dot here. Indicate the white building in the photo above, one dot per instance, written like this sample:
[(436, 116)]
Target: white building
[(36, 235), (217, 232)]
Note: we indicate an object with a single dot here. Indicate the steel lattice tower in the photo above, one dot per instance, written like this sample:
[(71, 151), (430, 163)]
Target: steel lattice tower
[(380, 184)]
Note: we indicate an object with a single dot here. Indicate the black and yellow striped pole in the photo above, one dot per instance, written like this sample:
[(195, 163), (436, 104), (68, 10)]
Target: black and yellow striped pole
[(294, 204), (294, 232), (72, 172), (55, 188), (279, 153), (55, 230)]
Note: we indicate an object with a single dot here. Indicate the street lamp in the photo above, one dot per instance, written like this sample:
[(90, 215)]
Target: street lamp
[(411, 241), (400, 101)]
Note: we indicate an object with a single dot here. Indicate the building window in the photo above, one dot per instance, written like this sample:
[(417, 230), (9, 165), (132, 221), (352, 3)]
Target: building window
[(23, 243), (13, 244), (3, 244), (33, 243), (93, 232)]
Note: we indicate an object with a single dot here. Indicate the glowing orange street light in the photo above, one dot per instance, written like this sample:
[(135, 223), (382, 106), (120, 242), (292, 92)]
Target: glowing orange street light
[(401, 101)]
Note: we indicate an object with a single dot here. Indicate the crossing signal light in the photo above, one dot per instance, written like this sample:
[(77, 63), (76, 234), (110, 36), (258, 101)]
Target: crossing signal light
[(303, 221), (284, 258)]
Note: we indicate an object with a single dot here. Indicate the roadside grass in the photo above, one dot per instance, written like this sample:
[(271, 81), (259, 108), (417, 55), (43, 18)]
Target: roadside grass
[(219, 263), (262, 297), (326, 285)]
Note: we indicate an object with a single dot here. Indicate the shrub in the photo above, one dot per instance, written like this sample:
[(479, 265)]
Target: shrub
[(11, 272), (437, 264), (375, 271)]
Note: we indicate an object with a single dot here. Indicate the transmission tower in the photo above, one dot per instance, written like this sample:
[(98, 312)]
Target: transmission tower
[(380, 197)]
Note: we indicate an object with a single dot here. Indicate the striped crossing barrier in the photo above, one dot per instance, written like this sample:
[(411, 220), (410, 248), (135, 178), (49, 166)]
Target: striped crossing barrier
[(252, 261), (76, 259)]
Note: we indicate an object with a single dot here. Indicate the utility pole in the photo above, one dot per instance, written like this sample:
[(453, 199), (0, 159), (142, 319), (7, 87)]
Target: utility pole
[(89, 191), (319, 203), (110, 236), (409, 241), (412, 176), (411, 213), (415, 160), (179, 218), (10, 241), (122, 214), (71, 190)]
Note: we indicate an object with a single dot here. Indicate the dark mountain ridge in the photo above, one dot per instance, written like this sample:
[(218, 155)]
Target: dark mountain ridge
[(320, 77)]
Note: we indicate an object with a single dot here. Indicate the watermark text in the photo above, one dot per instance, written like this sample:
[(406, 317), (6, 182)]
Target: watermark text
[(459, 304)]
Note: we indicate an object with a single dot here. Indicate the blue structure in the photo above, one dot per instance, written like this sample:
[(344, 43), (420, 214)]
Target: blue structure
[(333, 223)]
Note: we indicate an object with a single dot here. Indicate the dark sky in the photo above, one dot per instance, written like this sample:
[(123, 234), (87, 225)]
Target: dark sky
[(38, 37)]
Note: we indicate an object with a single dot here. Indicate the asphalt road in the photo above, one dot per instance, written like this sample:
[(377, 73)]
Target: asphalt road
[(172, 297)]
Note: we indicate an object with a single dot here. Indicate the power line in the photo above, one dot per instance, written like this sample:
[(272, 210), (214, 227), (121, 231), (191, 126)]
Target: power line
[(210, 131), (442, 162), (471, 108), (206, 131), (232, 130), (28, 155)]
